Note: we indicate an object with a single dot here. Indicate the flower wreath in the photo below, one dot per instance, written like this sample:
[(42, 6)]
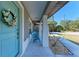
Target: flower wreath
[(5, 18)]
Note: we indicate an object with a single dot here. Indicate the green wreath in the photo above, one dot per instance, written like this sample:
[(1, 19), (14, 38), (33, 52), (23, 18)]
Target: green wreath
[(5, 18)]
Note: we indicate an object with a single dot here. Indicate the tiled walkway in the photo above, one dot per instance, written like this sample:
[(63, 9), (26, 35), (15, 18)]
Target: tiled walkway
[(36, 50)]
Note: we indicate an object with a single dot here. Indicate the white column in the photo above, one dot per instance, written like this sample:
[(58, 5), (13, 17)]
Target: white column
[(31, 24), (40, 32), (31, 27), (45, 32)]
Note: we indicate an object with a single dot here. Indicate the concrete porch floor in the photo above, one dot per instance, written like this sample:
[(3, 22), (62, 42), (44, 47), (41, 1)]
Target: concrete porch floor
[(36, 50)]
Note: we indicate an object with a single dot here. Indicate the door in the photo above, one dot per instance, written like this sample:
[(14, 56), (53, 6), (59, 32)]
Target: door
[(9, 36)]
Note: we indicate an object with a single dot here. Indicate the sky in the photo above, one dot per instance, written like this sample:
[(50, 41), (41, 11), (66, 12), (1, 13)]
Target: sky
[(69, 11)]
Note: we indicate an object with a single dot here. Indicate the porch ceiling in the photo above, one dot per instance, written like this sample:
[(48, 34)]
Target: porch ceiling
[(36, 9), (54, 7)]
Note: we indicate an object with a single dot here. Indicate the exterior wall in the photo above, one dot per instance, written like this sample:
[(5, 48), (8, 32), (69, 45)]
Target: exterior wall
[(27, 26), (24, 28)]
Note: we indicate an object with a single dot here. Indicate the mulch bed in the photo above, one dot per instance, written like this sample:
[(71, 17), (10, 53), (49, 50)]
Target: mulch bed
[(56, 46)]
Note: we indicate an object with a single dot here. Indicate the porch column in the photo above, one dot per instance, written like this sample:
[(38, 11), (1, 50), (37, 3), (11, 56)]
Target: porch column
[(45, 32), (31, 27), (31, 24), (40, 31)]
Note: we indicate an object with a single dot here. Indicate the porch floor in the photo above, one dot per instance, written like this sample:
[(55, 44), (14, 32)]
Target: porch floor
[(36, 50)]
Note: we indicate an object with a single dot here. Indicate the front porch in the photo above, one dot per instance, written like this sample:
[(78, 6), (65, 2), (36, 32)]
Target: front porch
[(32, 16), (39, 12), (37, 50)]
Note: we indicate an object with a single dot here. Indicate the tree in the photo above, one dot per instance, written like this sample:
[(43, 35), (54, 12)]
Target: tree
[(70, 25), (52, 25), (59, 28), (74, 25), (65, 24)]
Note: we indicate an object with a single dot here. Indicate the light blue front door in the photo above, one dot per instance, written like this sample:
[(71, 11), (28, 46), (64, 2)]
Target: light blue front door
[(9, 36)]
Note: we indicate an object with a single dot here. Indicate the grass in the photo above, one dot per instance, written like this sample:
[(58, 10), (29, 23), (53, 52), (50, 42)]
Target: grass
[(72, 38)]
